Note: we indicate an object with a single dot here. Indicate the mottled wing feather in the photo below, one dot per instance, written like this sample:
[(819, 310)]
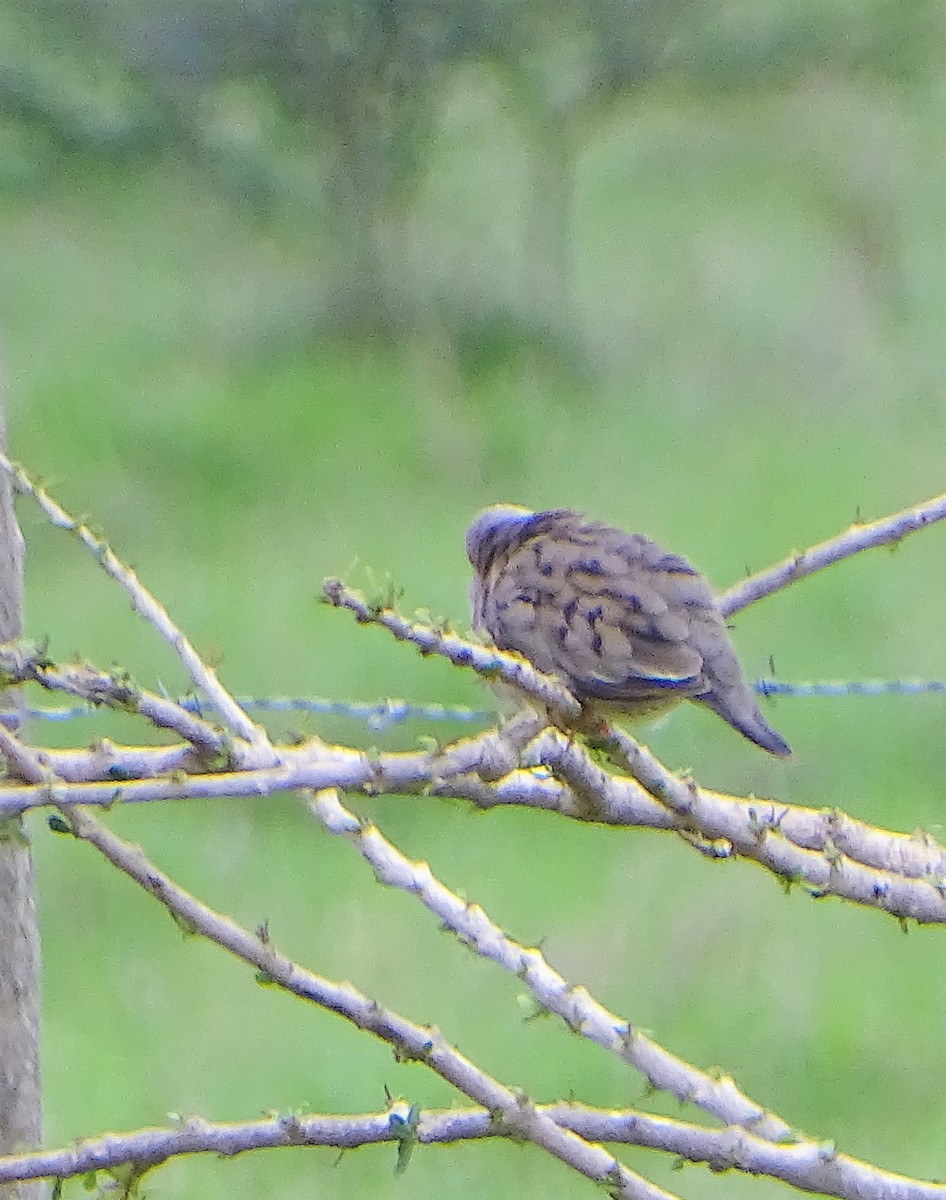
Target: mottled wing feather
[(600, 620)]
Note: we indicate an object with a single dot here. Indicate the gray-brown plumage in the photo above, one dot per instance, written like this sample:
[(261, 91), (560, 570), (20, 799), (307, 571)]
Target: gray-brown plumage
[(627, 627)]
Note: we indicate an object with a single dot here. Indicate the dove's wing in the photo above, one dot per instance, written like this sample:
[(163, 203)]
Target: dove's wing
[(609, 612)]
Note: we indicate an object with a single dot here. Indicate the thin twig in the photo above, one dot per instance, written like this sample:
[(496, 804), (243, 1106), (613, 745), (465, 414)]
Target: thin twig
[(22, 760), (824, 872), (147, 606), (553, 993), (486, 661), (20, 663), (811, 1166), (858, 537)]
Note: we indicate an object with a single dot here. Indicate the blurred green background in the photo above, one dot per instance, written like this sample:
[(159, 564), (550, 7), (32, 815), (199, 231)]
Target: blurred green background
[(292, 289)]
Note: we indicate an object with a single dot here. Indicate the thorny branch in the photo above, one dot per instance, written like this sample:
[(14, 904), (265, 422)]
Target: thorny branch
[(810, 1166), (889, 531)]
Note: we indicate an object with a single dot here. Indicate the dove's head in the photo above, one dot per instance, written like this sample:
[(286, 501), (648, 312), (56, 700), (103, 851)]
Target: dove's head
[(493, 528)]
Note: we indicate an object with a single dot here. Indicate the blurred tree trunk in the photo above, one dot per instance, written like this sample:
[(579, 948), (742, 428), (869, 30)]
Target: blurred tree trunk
[(377, 130), (20, 1096), (370, 293), (554, 129), (550, 232)]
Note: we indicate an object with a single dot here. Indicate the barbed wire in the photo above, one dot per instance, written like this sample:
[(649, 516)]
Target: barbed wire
[(378, 715), (381, 715), (851, 687)]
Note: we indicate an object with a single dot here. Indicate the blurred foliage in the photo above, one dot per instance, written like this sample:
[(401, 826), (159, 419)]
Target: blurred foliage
[(675, 265), (333, 107)]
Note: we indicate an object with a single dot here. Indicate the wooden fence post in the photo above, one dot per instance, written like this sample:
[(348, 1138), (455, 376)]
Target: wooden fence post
[(21, 1113)]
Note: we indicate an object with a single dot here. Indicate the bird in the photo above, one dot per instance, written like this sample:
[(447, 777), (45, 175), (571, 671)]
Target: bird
[(628, 628)]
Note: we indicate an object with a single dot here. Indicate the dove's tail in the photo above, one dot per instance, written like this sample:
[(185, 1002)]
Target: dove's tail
[(743, 713)]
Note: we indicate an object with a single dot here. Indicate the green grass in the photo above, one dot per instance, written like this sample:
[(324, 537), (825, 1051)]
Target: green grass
[(766, 379)]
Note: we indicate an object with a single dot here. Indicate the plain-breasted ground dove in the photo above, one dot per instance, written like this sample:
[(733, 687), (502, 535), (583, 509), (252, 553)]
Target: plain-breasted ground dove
[(627, 627)]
